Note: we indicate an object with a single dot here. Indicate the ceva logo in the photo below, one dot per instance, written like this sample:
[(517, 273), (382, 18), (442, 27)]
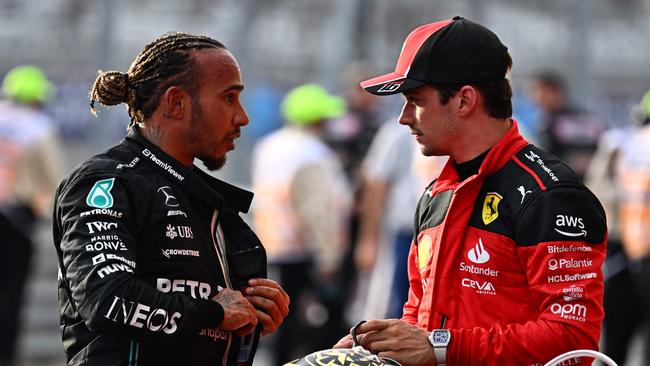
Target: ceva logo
[(478, 254)]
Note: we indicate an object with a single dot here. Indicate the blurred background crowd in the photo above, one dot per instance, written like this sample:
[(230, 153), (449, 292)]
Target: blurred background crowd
[(336, 177)]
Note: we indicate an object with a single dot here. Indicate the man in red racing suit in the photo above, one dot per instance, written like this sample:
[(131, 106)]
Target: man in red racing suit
[(505, 266)]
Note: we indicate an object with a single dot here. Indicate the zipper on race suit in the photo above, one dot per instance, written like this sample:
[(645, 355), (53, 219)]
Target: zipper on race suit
[(443, 322), (219, 243)]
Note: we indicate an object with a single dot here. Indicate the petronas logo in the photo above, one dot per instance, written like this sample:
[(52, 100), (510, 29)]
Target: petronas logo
[(100, 194)]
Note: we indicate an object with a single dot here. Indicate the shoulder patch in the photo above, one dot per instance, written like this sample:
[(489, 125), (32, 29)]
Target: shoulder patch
[(100, 194), (544, 167)]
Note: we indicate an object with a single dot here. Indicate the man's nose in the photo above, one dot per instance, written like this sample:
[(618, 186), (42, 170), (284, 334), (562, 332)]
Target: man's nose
[(405, 116)]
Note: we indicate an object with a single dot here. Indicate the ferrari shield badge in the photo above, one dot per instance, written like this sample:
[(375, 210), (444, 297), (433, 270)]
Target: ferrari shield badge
[(491, 207)]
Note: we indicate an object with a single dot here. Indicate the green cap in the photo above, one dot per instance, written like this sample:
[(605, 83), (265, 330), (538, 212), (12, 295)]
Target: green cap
[(645, 103), (310, 103), (27, 84)]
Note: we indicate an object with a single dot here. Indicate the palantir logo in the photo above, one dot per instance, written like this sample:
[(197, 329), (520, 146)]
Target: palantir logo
[(478, 254), (100, 194)]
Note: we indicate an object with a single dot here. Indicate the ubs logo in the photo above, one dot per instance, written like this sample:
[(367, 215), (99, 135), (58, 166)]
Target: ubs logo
[(170, 200)]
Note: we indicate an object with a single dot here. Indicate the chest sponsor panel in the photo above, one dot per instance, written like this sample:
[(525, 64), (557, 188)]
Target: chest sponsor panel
[(489, 257)]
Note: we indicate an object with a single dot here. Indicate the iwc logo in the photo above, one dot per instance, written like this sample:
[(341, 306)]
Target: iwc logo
[(491, 207)]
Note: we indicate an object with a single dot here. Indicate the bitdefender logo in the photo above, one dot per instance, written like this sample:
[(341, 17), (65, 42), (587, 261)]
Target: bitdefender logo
[(478, 254)]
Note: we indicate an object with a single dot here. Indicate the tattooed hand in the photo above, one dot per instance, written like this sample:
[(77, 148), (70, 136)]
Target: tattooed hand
[(271, 302), (239, 315)]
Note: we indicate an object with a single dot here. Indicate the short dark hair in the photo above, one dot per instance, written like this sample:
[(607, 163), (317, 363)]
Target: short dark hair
[(496, 94), (164, 62)]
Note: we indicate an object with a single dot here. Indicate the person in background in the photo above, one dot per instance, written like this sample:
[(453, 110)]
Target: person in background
[(393, 173), (31, 166), (156, 265), (632, 310), (505, 265), (302, 215), (565, 131)]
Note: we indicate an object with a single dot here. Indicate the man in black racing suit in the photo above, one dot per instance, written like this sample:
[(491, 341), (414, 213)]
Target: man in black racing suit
[(156, 267)]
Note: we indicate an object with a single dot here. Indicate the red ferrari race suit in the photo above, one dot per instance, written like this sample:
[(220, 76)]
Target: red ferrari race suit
[(509, 259)]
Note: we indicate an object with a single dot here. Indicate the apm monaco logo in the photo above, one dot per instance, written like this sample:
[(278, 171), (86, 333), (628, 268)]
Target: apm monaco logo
[(570, 226), (575, 312), (390, 87), (478, 254)]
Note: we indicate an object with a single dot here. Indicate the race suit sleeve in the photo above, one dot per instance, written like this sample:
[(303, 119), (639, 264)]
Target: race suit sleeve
[(560, 239), (103, 284), (410, 310)]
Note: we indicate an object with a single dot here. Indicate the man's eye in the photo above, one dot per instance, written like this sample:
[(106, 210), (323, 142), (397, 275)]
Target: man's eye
[(230, 98)]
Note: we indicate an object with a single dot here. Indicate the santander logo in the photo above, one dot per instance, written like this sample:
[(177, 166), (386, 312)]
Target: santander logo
[(478, 254)]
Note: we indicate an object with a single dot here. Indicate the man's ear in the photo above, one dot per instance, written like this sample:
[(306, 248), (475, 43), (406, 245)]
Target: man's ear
[(175, 103), (468, 100)]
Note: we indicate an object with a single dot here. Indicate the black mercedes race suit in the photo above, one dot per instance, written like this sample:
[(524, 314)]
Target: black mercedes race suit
[(143, 244)]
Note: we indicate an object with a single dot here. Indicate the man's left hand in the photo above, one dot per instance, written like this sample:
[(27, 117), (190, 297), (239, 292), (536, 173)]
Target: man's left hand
[(396, 339), (270, 301)]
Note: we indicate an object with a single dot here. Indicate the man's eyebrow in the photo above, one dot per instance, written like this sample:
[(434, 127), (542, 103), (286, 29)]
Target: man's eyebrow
[(237, 87)]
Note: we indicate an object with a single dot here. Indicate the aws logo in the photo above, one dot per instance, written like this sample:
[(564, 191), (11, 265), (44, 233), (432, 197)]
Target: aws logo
[(570, 226)]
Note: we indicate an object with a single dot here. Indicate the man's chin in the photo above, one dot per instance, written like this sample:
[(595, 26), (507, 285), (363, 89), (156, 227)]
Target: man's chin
[(213, 164)]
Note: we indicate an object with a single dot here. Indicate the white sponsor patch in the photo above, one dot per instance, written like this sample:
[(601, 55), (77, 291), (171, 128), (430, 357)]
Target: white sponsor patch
[(102, 211), (99, 226), (555, 264), (195, 289), (112, 268), (142, 316), (556, 249), (575, 312), (478, 254), (573, 292), (173, 231), (470, 268), (570, 226), (180, 252), (481, 287), (572, 277), (101, 257)]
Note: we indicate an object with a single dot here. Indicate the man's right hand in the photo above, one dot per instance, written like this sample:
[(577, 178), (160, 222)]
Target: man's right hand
[(238, 314)]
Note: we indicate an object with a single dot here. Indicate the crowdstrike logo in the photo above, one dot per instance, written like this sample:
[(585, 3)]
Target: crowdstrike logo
[(180, 252), (478, 254)]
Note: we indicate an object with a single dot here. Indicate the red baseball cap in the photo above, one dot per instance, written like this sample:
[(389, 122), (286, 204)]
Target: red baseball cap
[(450, 51)]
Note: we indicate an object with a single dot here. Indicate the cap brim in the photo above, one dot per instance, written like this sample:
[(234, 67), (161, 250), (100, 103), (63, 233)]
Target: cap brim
[(391, 83)]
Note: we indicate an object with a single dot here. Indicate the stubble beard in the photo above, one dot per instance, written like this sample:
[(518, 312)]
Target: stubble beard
[(210, 163)]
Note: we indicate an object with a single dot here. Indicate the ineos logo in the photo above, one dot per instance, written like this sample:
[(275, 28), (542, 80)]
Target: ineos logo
[(170, 200)]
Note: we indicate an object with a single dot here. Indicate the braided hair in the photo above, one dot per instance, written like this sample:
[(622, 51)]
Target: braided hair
[(165, 62)]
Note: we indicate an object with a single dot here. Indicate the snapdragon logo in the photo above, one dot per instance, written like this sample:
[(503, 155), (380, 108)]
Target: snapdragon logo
[(575, 312), (478, 254)]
